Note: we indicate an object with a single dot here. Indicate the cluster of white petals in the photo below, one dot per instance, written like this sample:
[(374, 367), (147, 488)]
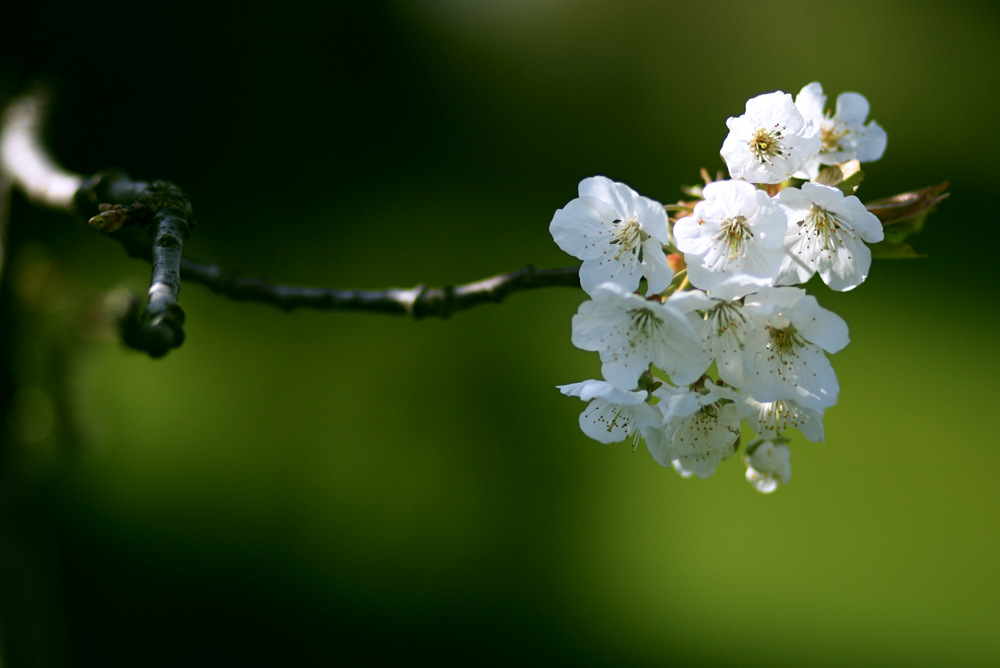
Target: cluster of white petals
[(729, 309)]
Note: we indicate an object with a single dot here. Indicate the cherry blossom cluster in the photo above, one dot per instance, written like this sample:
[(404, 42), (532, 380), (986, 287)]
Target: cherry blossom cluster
[(720, 336)]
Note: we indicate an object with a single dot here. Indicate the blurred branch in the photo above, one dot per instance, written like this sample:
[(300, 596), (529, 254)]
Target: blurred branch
[(419, 302), (153, 219), (26, 162), (160, 206)]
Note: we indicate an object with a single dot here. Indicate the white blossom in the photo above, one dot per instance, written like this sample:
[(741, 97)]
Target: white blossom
[(771, 141), (736, 229), (844, 135), (609, 226), (768, 345), (612, 415), (631, 332), (722, 328), (700, 428), (825, 234), (774, 417), (767, 465), (783, 352)]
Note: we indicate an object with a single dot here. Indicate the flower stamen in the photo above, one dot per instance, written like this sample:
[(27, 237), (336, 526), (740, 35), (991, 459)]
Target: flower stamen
[(828, 229), (736, 233), (784, 341), (766, 144), (830, 137), (644, 323), (627, 236), (727, 318)]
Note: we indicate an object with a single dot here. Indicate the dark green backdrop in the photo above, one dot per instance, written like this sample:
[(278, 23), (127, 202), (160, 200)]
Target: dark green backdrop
[(332, 488)]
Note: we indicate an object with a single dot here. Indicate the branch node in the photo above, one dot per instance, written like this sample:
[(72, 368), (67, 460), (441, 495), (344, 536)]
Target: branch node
[(409, 299)]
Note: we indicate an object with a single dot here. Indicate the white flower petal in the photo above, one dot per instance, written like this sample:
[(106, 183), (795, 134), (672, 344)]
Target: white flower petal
[(737, 286), (691, 300), (655, 267), (577, 228), (866, 224), (652, 219), (846, 269), (762, 483), (844, 135), (590, 389), (869, 142), (618, 195), (794, 269), (657, 444), (818, 325), (852, 109), (811, 102), (625, 271), (692, 235)]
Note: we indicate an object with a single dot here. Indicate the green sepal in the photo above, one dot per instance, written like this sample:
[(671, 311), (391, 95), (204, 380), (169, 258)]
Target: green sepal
[(649, 383)]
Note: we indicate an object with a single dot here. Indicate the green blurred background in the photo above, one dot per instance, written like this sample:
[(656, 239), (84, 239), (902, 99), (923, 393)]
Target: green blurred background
[(333, 488)]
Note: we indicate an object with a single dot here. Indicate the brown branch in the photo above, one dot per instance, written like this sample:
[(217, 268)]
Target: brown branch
[(419, 302), (153, 219), (906, 206)]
